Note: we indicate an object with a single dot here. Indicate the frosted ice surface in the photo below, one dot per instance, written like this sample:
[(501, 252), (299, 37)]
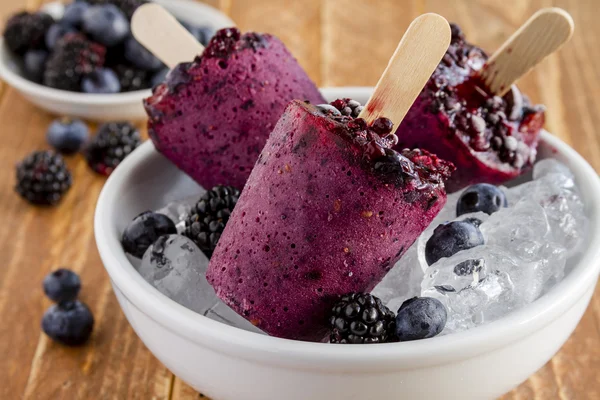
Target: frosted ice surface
[(526, 249), (177, 268)]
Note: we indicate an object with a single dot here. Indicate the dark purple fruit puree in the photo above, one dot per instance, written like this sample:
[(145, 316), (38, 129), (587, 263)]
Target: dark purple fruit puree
[(212, 117), (328, 210), (488, 138)]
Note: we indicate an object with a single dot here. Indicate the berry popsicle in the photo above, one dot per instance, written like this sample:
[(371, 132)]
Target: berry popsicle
[(330, 207), (462, 115), (212, 116)]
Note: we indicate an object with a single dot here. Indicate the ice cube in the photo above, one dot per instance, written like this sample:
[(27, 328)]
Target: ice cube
[(525, 254), (554, 189), (550, 166), (402, 282), (177, 268), (473, 295), (523, 229), (179, 210)]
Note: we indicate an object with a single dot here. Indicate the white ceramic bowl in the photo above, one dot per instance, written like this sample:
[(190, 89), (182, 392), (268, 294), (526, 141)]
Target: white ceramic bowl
[(100, 107), (226, 363)]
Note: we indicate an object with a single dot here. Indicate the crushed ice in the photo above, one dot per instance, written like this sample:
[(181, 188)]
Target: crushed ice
[(527, 246)]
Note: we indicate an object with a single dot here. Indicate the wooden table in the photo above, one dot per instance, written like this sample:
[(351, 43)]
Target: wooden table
[(339, 42)]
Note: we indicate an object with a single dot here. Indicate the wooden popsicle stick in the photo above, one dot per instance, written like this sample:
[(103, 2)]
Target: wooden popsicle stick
[(418, 54), (157, 30), (544, 33)]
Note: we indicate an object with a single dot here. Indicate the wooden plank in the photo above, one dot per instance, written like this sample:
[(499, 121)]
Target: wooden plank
[(339, 43), (296, 23)]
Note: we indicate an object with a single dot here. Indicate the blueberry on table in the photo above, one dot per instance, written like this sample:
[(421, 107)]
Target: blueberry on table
[(106, 24), (62, 285), (55, 33), (70, 323), (74, 12), (144, 230), (101, 81), (481, 197), (67, 136), (450, 238), (35, 64), (137, 55), (420, 318)]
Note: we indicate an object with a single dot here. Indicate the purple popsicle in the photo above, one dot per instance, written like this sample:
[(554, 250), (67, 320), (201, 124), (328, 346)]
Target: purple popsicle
[(328, 210), (212, 117)]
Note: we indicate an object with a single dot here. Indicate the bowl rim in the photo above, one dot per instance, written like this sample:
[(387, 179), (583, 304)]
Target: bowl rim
[(31, 88), (255, 347)]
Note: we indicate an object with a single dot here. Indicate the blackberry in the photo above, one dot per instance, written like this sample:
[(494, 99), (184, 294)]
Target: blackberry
[(132, 78), (127, 6), (25, 31), (113, 142), (361, 318), (209, 217), (43, 178), (73, 58)]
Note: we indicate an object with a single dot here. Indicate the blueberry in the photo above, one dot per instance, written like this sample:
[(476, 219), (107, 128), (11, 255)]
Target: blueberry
[(55, 33), (137, 55), (74, 13), (420, 318), (144, 230), (69, 323), (67, 136), (34, 63), (474, 221), (481, 197), (62, 285), (160, 77), (106, 24), (467, 267), (101, 81), (450, 238), (202, 33)]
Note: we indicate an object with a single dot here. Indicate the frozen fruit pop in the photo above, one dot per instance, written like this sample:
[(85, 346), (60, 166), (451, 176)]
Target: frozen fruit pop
[(489, 138), (329, 207), (328, 210), (211, 117)]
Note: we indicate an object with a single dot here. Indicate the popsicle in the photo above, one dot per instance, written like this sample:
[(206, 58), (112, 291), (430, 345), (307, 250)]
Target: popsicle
[(212, 116), (471, 115), (330, 207)]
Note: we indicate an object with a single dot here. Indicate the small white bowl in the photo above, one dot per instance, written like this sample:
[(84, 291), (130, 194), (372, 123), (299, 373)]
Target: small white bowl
[(227, 363), (100, 107)]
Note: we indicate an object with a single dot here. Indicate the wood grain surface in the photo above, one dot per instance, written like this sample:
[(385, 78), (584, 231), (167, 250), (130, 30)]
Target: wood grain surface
[(339, 42)]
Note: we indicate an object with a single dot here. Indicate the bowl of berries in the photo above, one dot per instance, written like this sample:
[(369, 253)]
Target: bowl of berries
[(81, 60), (217, 281)]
